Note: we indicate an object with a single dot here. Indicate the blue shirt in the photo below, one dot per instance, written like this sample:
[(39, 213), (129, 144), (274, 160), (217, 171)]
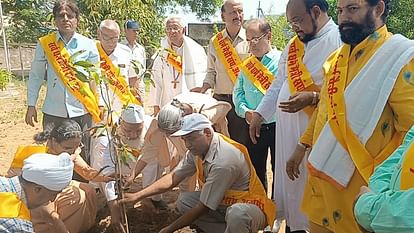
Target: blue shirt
[(14, 225), (245, 95), (59, 101), (387, 208)]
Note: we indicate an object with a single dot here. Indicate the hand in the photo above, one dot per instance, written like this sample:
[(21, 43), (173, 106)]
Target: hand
[(297, 102), (197, 89), (292, 165), (166, 230), (31, 114), (156, 110), (255, 125), (128, 181), (130, 198), (116, 217), (249, 116)]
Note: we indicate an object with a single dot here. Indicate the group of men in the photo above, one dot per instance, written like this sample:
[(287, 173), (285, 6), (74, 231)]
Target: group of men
[(333, 108)]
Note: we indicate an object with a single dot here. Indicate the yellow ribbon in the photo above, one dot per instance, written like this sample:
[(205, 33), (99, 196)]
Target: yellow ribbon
[(58, 57), (257, 73), (407, 172), (227, 55), (23, 152), (118, 84), (12, 207), (299, 78), (256, 194), (176, 61)]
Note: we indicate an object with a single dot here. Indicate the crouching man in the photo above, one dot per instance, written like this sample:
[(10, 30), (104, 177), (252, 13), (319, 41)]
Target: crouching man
[(231, 198)]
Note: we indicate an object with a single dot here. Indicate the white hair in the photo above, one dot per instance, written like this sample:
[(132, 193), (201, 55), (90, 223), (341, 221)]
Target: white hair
[(176, 17), (170, 118), (109, 24)]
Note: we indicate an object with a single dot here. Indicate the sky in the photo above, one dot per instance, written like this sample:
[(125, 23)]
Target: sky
[(274, 7)]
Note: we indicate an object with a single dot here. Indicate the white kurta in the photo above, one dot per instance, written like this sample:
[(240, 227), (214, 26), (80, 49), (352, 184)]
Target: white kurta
[(194, 61), (290, 126)]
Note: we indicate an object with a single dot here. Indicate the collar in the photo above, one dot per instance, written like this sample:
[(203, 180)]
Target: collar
[(72, 42), (125, 42), (212, 150), (241, 34), (377, 37), (326, 28)]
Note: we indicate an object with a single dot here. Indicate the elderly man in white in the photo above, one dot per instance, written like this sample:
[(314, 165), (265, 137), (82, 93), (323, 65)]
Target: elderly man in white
[(179, 67), (133, 125), (119, 56)]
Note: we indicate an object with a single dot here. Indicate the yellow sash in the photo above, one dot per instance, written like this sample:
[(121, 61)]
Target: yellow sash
[(257, 73), (58, 57), (227, 55), (118, 84), (407, 173), (12, 207), (299, 78), (24, 151), (336, 84), (256, 194), (175, 60)]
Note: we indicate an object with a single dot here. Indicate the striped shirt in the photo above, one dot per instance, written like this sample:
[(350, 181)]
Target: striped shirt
[(14, 225)]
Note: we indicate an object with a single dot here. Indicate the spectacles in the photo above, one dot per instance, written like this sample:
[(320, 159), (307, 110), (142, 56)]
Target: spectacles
[(296, 22), (256, 40), (173, 29), (65, 16), (107, 38)]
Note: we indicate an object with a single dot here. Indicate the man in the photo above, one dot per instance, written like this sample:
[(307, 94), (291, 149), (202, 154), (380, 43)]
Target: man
[(370, 77), (133, 126), (317, 36), (257, 74), (158, 140), (383, 207), (64, 98), (138, 51), (115, 56), (179, 67), (231, 199), (226, 51), (43, 177)]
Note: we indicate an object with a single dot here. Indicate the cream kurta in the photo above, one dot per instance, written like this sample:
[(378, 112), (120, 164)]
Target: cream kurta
[(290, 126), (324, 204), (168, 81)]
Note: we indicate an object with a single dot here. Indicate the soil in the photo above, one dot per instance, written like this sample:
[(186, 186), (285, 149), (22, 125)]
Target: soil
[(14, 132)]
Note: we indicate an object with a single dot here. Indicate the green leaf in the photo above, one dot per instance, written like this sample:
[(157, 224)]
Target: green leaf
[(84, 64), (81, 76), (73, 57)]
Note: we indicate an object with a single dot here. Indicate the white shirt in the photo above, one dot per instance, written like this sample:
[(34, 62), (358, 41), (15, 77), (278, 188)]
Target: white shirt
[(138, 54)]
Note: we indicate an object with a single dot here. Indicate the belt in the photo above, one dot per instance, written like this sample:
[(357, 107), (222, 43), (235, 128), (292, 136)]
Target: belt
[(224, 95)]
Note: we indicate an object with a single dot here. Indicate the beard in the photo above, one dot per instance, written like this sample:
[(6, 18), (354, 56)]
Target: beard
[(310, 36), (356, 33)]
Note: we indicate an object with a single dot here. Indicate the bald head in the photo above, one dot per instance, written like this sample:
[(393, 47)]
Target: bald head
[(232, 15), (230, 3), (108, 35)]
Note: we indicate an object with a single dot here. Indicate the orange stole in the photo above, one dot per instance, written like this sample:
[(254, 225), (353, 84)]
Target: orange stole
[(255, 195), (257, 73)]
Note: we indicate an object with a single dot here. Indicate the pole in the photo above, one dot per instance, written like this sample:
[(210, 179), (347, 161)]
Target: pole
[(258, 11), (6, 51), (21, 61)]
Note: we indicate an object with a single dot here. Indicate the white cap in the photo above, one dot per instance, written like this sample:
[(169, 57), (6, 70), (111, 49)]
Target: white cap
[(53, 172), (191, 123), (133, 114)]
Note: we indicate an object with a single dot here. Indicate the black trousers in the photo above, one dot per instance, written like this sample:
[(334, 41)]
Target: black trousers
[(287, 230), (259, 151), (85, 123)]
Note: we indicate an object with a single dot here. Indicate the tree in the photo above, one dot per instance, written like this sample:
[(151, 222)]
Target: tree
[(281, 32)]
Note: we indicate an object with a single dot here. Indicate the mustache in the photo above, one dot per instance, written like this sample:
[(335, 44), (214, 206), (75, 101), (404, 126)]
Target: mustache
[(349, 24)]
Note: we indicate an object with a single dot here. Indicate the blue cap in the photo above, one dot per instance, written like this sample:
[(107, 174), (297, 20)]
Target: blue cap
[(131, 24)]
